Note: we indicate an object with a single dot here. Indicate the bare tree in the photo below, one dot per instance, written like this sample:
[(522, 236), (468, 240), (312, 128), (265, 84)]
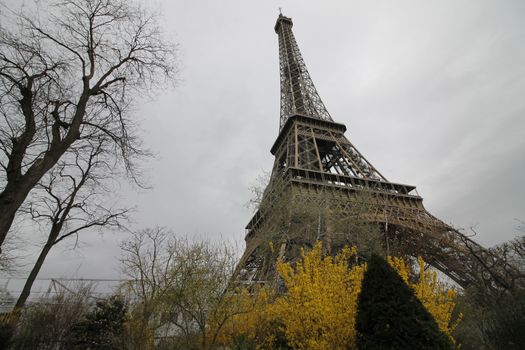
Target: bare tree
[(518, 247), (500, 270), (202, 302), (147, 260), (69, 75), (257, 189), (181, 287), (70, 199), (494, 309)]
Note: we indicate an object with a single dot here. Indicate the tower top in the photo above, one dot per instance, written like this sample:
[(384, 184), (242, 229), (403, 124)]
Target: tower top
[(298, 93), (282, 19)]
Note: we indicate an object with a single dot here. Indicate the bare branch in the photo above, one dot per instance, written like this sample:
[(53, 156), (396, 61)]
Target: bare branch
[(71, 76)]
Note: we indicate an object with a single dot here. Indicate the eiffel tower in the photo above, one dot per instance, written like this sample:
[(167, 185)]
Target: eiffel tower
[(320, 179)]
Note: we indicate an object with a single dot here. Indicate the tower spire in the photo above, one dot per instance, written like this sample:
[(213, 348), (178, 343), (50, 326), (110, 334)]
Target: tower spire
[(298, 93)]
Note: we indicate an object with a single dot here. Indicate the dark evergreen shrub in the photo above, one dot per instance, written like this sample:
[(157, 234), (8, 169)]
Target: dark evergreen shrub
[(103, 327), (390, 316)]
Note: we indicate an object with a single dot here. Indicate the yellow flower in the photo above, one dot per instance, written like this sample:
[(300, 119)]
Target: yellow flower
[(320, 306)]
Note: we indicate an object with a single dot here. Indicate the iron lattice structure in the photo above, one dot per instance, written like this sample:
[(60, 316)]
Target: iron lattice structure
[(298, 93), (321, 187)]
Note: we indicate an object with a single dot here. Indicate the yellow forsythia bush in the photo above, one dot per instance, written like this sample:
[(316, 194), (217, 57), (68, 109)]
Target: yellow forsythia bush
[(319, 308), (253, 321)]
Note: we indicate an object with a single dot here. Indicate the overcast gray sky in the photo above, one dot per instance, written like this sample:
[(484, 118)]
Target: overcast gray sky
[(432, 93)]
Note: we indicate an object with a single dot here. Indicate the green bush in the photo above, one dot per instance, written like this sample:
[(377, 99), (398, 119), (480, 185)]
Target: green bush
[(102, 329)]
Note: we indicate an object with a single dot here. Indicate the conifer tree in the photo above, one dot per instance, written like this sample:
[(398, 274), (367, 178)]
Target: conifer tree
[(390, 316)]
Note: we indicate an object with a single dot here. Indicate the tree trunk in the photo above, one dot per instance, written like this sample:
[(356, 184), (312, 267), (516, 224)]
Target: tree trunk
[(34, 272), (18, 187), (5, 223), (15, 193), (11, 199)]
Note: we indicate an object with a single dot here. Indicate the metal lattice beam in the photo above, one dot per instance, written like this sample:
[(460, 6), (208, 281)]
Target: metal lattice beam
[(298, 93)]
